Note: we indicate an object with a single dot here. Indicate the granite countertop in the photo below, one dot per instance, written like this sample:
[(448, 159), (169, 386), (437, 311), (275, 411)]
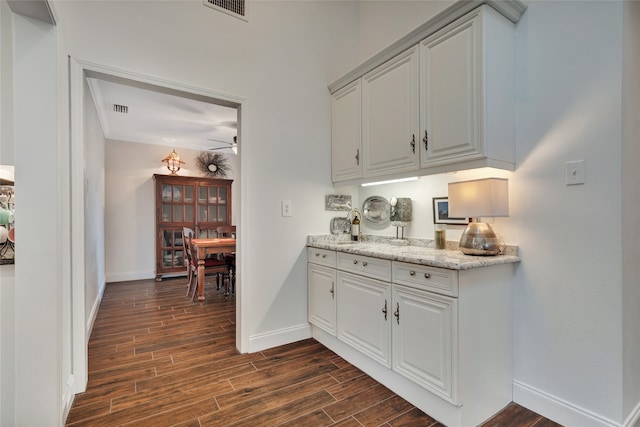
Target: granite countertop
[(415, 251)]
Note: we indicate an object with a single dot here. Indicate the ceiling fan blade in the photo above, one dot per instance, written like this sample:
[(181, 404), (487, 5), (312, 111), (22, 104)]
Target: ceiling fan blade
[(233, 143)]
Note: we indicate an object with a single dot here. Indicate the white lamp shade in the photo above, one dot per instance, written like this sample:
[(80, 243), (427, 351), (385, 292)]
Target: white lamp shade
[(487, 197)]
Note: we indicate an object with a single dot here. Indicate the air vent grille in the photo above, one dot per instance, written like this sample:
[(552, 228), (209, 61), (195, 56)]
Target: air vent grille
[(120, 108), (237, 8)]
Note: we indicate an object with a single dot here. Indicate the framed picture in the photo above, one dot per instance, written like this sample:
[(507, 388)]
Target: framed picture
[(441, 212)]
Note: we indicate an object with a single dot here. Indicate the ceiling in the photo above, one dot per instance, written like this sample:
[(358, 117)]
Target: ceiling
[(162, 117)]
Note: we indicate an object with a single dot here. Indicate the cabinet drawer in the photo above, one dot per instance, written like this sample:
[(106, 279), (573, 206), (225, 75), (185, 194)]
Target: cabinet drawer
[(366, 266), (321, 256), (433, 279)]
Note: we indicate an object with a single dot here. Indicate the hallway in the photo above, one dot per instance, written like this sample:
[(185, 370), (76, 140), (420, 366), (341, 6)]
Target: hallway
[(155, 359)]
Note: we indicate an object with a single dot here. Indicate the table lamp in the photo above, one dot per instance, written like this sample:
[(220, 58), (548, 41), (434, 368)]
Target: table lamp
[(475, 199)]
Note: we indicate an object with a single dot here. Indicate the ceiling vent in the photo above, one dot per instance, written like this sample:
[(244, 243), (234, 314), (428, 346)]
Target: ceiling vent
[(237, 8), (120, 108)]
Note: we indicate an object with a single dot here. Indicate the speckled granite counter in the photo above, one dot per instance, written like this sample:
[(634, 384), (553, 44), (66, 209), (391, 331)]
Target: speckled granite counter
[(411, 250)]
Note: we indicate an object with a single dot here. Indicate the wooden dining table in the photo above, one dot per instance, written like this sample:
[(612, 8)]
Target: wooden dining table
[(203, 247)]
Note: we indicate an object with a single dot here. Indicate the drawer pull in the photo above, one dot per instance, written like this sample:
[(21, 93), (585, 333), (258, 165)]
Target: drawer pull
[(317, 253), (364, 263), (355, 261), (412, 273), (427, 275), (324, 255)]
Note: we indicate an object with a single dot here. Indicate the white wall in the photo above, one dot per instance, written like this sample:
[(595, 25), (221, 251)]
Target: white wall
[(568, 291), (130, 204), (568, 306), (280, 62), (7, 272), (630, 207), (38, 325), (94, 193)]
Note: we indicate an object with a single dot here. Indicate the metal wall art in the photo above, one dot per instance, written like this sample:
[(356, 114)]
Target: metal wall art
[(213, 165), (337, 202)]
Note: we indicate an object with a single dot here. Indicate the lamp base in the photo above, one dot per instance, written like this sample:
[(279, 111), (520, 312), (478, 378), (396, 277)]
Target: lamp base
[(479, 239)]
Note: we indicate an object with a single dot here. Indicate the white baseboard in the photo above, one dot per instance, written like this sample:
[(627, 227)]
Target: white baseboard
[(67, 397), (633, 420), (280, 337), (557, 409), (133, 275), (94, 311)]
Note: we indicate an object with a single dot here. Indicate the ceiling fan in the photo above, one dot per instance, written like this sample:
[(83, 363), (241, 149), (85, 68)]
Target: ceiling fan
[(232, 145)]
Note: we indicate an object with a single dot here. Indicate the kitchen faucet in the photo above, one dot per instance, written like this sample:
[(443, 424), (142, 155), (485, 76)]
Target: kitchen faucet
[(355, 211)]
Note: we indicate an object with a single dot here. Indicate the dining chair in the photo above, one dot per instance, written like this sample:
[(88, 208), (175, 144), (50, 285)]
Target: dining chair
[(226, 231), (211, 265)]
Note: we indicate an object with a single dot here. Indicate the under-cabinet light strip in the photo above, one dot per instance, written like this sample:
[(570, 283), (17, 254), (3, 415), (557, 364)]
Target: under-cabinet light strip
[(391, 181)]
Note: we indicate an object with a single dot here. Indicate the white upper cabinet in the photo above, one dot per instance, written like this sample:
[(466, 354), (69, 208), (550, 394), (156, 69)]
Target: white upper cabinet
[(443, 104), (467, 93), (390, 116), (346, 129)]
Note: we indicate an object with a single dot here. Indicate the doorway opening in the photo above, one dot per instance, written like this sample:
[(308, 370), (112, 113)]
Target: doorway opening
[(117, 225)]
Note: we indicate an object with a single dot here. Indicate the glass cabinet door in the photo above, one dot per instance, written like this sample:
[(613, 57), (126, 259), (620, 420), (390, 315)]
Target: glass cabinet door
[(212, 205), (177, 203), (172, 248)]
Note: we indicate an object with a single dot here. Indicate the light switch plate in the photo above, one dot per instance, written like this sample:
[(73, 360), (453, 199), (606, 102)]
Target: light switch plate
[(574, 172), (286, 208)]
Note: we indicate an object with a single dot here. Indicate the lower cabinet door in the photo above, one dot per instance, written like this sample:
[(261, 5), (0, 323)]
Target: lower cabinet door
[(364, 315), (425, 337), (322, 297)]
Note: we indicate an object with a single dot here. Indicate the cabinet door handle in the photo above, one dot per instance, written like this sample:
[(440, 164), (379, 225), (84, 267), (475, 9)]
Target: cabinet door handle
[(357, 156), (426, 140), (384, 310), (332, 290), (397, 313), (412, 273), (427, 275), (413, 143), (364, 263)]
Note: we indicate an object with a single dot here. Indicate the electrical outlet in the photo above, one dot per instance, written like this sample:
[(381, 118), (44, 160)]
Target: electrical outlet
[(574, 172), (286, 208)]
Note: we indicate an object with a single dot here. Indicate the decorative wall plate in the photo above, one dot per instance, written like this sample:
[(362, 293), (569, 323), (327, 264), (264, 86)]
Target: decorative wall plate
[(375, 210)]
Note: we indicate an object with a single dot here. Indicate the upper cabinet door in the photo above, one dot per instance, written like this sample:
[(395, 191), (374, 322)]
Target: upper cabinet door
[(346, 131), (450, 78), (467, 85), (390, 116)]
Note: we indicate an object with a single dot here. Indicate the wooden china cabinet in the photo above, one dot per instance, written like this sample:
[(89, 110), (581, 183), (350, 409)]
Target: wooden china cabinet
[(201, 204)]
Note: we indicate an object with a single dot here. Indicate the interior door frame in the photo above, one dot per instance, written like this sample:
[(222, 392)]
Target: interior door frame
[(79, 70)]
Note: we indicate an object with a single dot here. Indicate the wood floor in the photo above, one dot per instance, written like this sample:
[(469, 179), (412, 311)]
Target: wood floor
[(156, 359)]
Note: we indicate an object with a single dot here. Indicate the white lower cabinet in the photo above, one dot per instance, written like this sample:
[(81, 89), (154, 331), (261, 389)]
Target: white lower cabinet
[(440, 338), (425, 339), (321, 287), (363, 315)]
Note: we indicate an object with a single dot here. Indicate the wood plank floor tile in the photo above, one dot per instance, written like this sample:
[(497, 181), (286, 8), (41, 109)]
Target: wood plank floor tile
[(413, 418), (384, 411), (511, 415), (362, 400), (288, 411), (310, 419), (157, 359), (350, 387)]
